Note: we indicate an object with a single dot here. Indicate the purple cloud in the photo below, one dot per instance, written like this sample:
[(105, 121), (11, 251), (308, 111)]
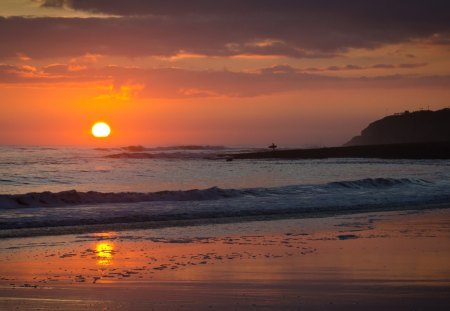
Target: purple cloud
[(300, 29)]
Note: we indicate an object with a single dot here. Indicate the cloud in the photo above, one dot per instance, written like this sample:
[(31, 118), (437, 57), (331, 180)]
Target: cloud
[(299, 29), (54, 3), (351, 67), (14, 74), (23, 57), (410, 66), (182, 83), (368, 10), (121, 93)]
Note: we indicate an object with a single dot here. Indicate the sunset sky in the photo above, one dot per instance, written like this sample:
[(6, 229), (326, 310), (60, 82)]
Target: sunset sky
[(296, 73)]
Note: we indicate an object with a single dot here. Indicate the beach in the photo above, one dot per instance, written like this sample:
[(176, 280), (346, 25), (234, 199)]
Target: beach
[(224, 155), (380, 260)]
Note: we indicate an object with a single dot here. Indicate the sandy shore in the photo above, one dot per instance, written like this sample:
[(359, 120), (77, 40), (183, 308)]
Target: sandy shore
[(374, 261)]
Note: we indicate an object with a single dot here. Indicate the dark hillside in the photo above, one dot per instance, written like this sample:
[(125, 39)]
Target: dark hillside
[(409, 127)]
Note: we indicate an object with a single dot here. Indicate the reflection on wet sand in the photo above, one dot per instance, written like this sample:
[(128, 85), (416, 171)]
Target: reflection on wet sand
[(104, 253), (375, 250)]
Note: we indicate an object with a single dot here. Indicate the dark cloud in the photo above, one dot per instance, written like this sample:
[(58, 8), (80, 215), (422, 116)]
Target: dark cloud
[(145, 36), (225, 28), (54, 3), (410, 66), (340, 68), (372, 10), (376, 66), (383, 66)]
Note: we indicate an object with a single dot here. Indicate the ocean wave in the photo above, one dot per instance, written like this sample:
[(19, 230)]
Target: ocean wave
[(140, 148), (179, 147), (161, 155), (379, 183), (130, 155), (73, 211), (73, 197)]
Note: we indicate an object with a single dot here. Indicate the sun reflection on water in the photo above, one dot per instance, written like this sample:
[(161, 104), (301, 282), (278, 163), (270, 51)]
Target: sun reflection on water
[(104, 253)]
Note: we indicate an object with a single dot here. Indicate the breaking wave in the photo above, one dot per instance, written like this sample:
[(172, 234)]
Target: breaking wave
[(380, 183), (73, 197), (61, 212)]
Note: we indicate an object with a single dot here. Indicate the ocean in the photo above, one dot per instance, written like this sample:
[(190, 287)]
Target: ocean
[(68, 187)]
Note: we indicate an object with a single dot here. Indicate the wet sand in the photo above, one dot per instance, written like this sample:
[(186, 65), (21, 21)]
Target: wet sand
[(384, 260)]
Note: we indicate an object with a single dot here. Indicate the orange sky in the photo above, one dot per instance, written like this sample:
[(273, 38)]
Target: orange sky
[(214, 75)]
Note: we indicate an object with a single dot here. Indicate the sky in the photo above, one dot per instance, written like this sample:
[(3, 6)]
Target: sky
[(235, 72)]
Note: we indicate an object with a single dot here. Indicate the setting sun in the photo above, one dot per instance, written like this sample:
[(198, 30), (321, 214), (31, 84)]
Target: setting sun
[(101, 129)]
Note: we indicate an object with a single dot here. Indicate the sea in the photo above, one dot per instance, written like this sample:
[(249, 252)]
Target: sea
[(44, 187)]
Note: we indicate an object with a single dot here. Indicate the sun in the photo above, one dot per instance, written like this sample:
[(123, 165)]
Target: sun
[(101, 129)]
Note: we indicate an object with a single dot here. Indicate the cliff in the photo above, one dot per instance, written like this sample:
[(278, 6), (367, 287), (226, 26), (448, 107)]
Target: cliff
[(409, 127)]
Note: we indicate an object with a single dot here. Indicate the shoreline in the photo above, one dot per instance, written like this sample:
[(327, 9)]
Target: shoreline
[(416, 151), (394, 260), (139, 225)]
